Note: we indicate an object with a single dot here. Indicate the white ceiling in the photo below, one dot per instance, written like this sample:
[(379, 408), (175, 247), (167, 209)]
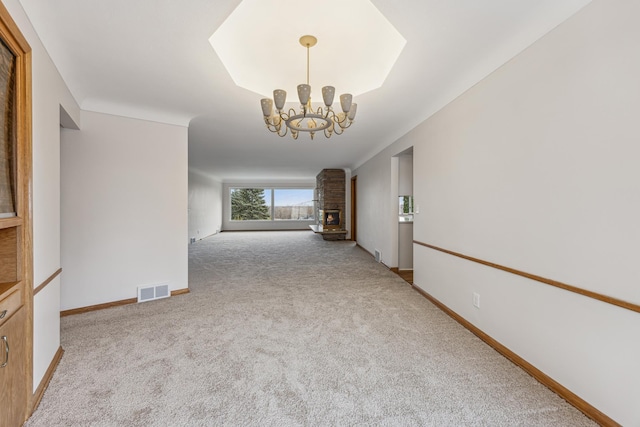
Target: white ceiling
[(151, 59), (373, 46)]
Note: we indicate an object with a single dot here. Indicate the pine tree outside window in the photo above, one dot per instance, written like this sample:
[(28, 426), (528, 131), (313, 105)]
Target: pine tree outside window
[(249, 204)]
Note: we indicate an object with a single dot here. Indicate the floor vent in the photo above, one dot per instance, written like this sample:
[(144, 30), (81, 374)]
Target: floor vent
[(378, 256), (149, 293)]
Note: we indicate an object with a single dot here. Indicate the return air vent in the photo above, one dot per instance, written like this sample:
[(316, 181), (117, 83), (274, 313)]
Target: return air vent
[(149, 293), (378, 256)]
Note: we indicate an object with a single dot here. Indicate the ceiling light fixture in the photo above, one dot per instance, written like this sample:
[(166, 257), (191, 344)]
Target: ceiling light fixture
[(308, 119)]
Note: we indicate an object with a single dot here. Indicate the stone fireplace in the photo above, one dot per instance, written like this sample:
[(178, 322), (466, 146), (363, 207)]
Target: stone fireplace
[(331, 202)]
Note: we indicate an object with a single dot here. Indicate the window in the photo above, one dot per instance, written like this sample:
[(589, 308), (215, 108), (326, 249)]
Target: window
[(406, 208), (293, 204), (272, 204), (250, 204)]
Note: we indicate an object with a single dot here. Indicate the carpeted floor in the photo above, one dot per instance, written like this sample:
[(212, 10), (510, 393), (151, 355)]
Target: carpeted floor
[(286, 329)]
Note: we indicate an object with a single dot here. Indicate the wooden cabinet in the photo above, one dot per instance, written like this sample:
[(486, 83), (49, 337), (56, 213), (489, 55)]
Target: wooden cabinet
[(13, 369), (16, 270)]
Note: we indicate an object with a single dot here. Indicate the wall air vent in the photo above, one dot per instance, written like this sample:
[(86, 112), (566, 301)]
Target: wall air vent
[(378, 256), (149, 293)]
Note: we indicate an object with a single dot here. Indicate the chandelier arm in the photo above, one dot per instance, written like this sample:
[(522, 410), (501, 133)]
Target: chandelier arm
[(337, 119), (270, 126), (342, 126), (282, 131), (277, 128), (331, 115), (283, 118), (346, 125)]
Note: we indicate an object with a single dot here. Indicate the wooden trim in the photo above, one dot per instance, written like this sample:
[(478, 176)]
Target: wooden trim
[(587, 409), (354, 208), (555, 283), (25, 129), (180, 292), (112, 304), (46, 282), (394, 270), (11, 32), (44, 383), (10, 222), (98, 307)]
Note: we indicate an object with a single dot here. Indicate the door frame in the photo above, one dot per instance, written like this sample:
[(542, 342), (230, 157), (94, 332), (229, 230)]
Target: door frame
[(354, 205)]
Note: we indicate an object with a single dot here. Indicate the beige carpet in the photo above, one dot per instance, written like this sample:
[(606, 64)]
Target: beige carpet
[(285, 329)]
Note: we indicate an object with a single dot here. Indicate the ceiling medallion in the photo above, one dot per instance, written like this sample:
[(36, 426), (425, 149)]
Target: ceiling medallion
[(307, 119)]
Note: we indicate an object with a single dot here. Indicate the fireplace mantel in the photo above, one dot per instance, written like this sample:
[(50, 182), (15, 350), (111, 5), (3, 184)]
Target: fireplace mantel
[(329, 234)]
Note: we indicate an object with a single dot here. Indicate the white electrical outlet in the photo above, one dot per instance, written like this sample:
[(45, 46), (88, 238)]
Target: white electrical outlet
[(476, 300)]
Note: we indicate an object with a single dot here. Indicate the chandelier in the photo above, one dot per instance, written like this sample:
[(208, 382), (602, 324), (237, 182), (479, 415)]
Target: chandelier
[(307, 119)]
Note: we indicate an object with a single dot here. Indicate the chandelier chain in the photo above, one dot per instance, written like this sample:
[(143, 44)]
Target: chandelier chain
[(308, 63)]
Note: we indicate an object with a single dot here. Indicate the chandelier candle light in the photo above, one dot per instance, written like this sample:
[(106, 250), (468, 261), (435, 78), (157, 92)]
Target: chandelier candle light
[(308, 120)]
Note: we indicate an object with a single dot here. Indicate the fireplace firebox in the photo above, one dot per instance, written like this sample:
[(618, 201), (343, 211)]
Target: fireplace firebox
[(332, 219)]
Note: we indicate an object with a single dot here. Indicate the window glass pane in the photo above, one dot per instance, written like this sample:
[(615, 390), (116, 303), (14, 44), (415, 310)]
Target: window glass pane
[(293, 204), (250, 204), (406, 205), (7, 131)]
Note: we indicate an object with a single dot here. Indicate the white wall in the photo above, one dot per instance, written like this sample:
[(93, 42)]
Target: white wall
[(405, 229), (405, 245), (124, 216), (405, 174), (536, 168), (49, 92), (228, 225), (377, 203), (205, 205)]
